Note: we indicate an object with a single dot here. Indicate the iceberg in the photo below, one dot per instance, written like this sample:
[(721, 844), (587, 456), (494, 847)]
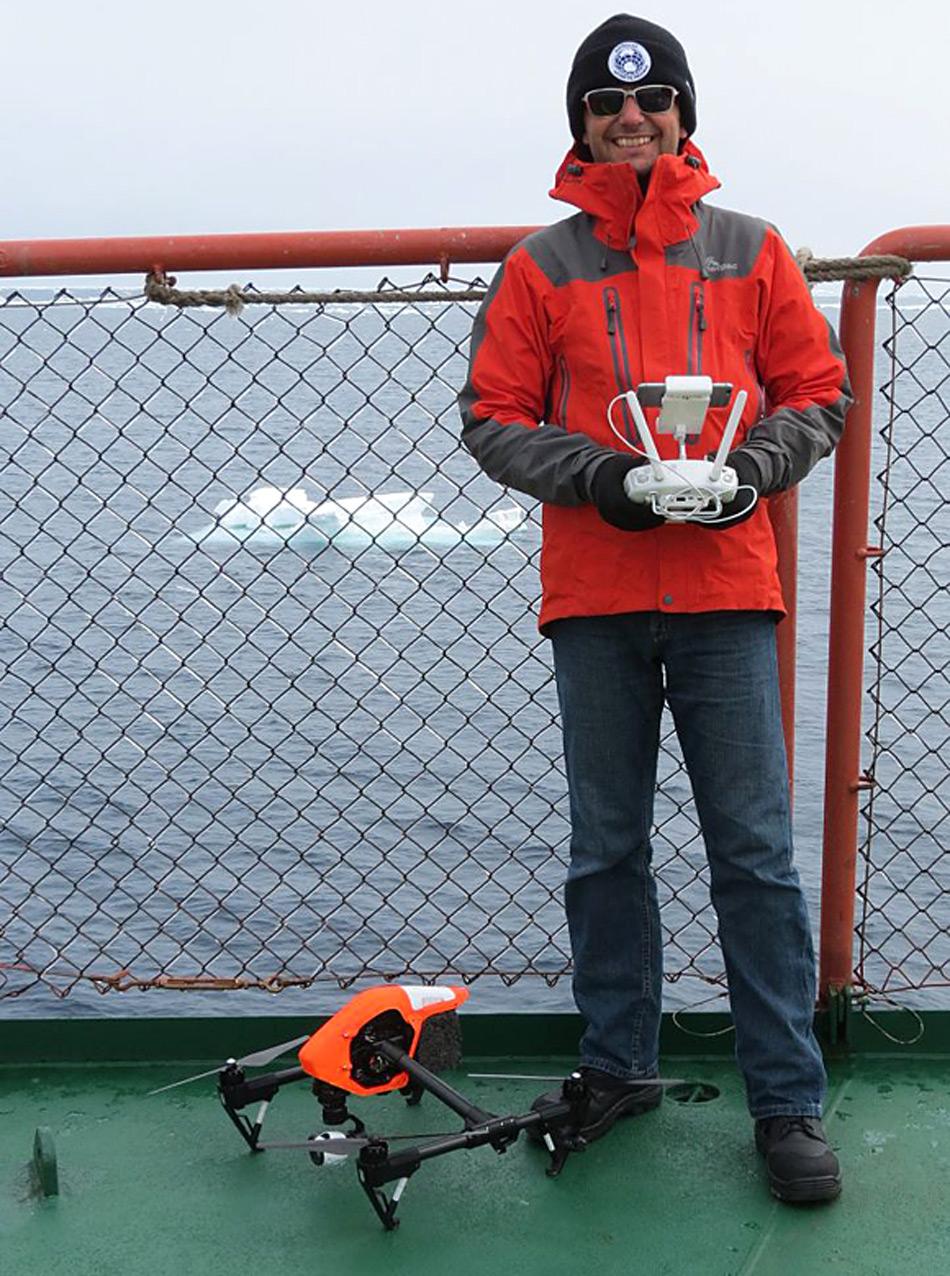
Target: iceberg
[(268, 518)]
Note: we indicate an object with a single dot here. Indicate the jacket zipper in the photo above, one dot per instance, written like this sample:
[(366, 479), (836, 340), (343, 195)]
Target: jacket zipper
[(618, 352), (754, 376), (618, 348), (565, 392), (697, 326)]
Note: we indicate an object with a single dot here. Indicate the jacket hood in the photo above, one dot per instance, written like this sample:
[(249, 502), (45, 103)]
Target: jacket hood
[(611, 193)]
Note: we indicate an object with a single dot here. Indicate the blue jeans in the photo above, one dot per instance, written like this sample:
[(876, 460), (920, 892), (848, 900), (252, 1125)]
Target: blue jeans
[(721, 683)]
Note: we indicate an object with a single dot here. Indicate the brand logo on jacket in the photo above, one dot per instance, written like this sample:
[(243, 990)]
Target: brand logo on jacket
[(714, 267), (629, 61)]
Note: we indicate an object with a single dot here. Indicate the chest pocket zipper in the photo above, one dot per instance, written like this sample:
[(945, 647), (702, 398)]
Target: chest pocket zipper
[(618, 346), (618, 353)]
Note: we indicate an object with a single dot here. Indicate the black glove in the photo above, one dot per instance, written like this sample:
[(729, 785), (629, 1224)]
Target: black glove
[(743, 504), (613, 504)]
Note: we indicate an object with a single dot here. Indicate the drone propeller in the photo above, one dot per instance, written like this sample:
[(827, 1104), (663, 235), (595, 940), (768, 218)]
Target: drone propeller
[(520, 1076), (257, 1059)]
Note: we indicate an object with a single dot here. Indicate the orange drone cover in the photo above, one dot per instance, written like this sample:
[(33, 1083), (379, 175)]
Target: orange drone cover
[(326, 1055)]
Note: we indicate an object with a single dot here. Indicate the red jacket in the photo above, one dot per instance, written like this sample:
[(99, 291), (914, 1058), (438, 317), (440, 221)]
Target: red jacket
[(635, 288)]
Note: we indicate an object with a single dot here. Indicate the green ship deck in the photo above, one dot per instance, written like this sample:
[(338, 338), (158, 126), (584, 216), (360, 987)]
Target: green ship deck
[(164, 1185)]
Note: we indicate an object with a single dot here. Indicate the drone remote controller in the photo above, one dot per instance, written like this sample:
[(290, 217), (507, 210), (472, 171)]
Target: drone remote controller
[(684, 489)]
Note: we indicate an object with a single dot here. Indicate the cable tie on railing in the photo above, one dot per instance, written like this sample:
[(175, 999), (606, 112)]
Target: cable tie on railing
[(866, 995)]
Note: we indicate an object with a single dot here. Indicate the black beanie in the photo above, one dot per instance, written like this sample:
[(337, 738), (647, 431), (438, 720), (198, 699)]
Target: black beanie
[(625, 51)]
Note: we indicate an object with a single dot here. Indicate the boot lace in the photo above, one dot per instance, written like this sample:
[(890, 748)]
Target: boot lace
[(780, 1127)]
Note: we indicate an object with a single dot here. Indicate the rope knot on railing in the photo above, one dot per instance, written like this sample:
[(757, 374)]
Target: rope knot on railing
[(823, 270)]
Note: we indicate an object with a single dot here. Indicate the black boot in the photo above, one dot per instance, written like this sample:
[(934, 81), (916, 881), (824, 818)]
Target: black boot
[(610, 1098), (801, 1165)]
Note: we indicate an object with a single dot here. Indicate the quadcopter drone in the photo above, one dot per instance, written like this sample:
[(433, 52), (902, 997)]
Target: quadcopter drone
[(377, 1044)]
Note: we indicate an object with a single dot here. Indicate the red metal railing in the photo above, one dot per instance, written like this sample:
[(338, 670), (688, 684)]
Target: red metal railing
[(851, 551), (276, 251)]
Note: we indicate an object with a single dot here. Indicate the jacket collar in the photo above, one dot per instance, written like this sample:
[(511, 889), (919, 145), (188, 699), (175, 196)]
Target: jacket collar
[(611, 194)]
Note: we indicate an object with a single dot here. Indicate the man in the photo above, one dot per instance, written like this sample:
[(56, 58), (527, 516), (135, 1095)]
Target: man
[(644, 282)]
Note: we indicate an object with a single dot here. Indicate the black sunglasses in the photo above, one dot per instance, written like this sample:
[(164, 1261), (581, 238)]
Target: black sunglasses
[(652, 99)]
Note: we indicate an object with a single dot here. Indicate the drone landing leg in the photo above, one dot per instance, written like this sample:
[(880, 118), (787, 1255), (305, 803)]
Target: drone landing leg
[(249, 1132), (559, 1155), (235, 1092), (376, 1167), (384, 1206), (259, 1122), (413, 1093)]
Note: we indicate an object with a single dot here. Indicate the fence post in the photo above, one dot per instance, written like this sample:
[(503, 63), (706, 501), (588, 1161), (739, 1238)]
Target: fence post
[(843, 779), (846, 644)]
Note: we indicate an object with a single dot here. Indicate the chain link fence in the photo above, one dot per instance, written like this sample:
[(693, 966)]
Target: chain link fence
[(904, 886), (275, 709)]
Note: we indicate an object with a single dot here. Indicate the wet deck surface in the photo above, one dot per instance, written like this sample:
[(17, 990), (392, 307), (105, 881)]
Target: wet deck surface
[(164, 1185)]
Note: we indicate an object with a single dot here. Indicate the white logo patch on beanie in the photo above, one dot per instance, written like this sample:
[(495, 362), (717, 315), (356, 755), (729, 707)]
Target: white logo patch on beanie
[(629, 61)]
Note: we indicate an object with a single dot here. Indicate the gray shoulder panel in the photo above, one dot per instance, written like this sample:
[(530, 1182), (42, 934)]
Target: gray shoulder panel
[(726, 246), (568, 251), (467, 395)]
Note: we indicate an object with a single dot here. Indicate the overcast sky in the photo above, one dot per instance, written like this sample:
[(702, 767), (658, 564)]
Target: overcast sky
[(196, 116)]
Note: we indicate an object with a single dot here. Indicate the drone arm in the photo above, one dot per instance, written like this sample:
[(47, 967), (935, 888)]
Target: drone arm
[(240, 1091), (377, 1165), (469, 1112), (499, 1131)]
